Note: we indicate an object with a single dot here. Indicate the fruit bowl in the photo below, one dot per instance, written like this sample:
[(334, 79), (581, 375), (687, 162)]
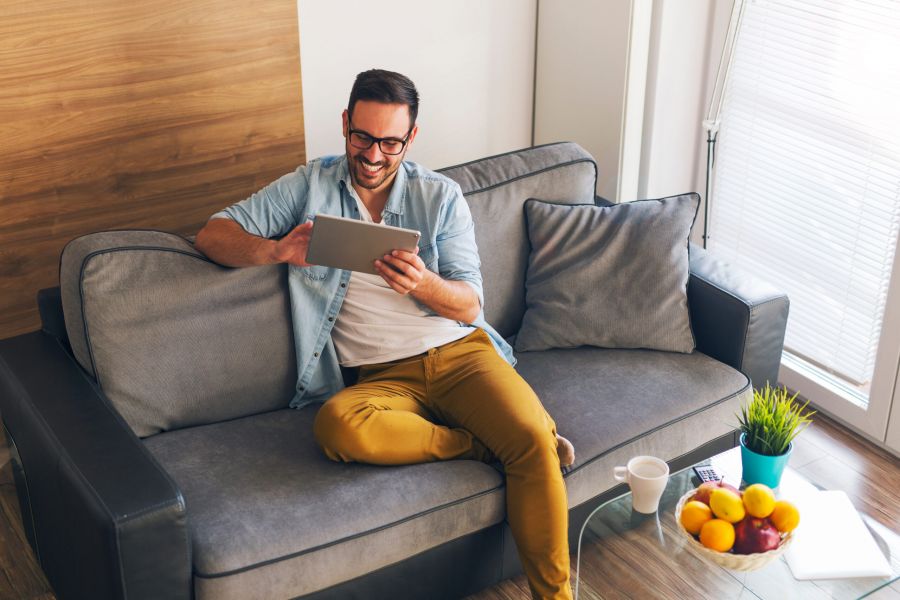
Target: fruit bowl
[(729, 560)]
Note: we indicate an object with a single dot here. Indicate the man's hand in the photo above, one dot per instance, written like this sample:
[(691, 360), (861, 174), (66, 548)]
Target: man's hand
[(292, 248), (403, 271), (226, 242), (406, 274)]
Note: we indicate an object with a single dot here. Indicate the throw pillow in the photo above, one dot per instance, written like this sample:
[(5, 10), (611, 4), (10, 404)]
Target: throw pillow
[(608, 276)]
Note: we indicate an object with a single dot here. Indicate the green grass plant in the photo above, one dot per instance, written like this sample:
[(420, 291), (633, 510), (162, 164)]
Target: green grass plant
[(772, 420)]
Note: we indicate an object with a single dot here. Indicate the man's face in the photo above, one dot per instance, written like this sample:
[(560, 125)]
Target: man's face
[(371, 168)]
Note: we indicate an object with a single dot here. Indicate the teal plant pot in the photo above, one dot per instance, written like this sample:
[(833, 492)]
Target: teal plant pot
[(760, 468)]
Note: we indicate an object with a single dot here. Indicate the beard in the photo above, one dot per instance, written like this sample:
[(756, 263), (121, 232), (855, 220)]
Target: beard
[(367, 179)]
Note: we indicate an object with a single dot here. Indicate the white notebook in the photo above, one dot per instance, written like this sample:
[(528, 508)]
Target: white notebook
[(832, 542)]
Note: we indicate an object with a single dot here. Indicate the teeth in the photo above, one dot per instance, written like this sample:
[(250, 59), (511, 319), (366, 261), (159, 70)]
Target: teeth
[(371, 168)]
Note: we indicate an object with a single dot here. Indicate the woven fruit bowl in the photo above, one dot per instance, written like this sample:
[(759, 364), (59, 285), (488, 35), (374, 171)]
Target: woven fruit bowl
[(729, 560)]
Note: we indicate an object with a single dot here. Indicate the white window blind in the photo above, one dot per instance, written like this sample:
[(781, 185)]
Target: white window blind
[(807, 172)]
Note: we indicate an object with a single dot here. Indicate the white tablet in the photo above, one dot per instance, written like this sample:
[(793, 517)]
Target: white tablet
[(354, 245)]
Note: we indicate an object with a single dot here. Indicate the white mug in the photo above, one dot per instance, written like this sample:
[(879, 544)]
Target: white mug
[(647, 476)]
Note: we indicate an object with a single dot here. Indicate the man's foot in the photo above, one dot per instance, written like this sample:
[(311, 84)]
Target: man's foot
[(565, 450)]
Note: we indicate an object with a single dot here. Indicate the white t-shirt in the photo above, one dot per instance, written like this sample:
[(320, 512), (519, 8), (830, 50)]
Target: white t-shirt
[(376, 324)]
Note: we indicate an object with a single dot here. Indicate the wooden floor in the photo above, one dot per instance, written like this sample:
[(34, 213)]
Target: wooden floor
[(826, 454)]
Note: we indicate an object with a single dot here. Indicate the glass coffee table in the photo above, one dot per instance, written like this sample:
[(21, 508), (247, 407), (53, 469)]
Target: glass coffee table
[(624, 554)]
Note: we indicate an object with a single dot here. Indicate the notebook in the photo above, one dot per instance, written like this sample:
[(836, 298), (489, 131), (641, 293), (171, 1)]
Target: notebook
[(832, 542)]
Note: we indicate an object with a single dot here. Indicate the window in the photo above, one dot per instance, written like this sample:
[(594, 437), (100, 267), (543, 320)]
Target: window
[(807, 173)]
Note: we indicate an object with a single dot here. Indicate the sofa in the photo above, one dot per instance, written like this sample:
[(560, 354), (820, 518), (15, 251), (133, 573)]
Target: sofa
[(155, 455)]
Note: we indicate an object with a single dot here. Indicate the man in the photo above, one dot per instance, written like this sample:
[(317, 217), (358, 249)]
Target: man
[(435, 381)]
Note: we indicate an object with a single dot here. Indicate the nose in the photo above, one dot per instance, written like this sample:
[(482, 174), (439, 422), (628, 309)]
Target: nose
[(373, 153)]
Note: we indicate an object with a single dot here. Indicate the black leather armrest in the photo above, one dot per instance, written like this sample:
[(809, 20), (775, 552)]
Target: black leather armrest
[(50, 307), (108, 522), (737, 318)]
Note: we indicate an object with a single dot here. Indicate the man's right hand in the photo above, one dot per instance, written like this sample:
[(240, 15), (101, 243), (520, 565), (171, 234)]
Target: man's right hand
[(292, 248), (226, 242)]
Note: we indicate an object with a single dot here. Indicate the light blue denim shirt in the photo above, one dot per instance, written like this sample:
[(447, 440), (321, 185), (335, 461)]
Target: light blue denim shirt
[(420, 199)]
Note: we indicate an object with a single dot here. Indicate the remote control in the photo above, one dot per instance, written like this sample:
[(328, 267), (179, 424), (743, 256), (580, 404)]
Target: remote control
[(706, 473)]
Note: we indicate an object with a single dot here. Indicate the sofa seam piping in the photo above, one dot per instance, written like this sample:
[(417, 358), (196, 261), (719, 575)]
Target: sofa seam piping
[(502, 154), (667, 424), (533, 174)]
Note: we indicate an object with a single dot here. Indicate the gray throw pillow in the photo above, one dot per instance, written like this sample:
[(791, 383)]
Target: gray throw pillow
[(608, 276)]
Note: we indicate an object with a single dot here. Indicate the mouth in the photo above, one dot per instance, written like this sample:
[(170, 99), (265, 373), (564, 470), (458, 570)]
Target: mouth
[(370, 169)]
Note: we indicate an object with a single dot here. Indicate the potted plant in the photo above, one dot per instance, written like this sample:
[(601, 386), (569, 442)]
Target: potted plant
[(769, 423)]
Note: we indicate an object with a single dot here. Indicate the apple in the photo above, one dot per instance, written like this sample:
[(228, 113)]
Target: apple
[(706, 489), (754, 535)]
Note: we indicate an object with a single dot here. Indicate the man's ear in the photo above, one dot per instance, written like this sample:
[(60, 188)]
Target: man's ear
[(345, 121), (412, 135)]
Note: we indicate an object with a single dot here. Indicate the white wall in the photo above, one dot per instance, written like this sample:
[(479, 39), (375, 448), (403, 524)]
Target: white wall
[(686, 42), (582, 65), (582, 51), (472, 62)]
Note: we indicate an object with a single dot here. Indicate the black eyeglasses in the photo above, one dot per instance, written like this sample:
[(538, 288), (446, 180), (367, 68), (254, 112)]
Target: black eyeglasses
[(389, 145)]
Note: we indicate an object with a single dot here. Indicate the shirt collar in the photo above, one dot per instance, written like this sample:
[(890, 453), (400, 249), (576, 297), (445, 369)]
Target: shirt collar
[(396, 199)]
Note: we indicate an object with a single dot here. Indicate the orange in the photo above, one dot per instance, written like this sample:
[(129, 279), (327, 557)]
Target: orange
[(693, 515), (717, 534), (785, 517), (727, 505), (759, 500)]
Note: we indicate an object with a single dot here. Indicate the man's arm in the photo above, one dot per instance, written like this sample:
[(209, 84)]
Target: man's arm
[(226, 242), (407, 274)]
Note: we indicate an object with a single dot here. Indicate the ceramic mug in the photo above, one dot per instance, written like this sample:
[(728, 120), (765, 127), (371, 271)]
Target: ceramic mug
[(647, 477)]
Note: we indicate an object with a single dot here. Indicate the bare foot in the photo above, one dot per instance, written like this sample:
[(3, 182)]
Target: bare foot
[(565, 450)]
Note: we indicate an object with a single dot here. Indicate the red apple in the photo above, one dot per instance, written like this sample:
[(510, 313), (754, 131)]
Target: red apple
[(706, 489), (754, 535)]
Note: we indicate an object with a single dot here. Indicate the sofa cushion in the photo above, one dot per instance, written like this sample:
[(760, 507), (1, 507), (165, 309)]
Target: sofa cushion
[(615, 404), (172, 338), (271, 516), (496, 188), (611, 276)]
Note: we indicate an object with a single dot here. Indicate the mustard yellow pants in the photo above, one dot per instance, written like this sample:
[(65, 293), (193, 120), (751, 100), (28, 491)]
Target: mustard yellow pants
[(463, 401)]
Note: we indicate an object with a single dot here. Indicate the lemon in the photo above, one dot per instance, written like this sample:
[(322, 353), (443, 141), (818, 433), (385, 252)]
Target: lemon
[(785, 516), (759, 500), (727, 505), (693, 515), (717, 534)]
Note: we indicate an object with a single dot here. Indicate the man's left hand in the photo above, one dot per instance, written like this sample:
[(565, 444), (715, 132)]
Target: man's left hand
[(403, 271)]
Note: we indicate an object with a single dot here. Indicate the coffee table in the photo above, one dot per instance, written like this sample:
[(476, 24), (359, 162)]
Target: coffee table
[(624, 554)]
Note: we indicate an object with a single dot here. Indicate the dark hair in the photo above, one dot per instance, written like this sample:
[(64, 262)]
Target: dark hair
[(387, 87)]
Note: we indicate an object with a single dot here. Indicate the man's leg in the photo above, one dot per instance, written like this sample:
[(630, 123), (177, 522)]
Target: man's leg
[(381, 420), (472, 387)]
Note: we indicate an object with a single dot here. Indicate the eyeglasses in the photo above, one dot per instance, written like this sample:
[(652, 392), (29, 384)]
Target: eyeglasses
[(389, 145)]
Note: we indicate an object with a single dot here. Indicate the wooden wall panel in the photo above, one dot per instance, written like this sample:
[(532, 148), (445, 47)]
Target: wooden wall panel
[(149, 114)]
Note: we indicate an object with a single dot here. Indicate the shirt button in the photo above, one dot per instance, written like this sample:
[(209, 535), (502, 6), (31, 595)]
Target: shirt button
[(343, 285), (316, 354), (301, 388), (331, 318)]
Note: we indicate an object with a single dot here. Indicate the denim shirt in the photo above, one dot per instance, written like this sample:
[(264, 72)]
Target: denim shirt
[(419, 199)]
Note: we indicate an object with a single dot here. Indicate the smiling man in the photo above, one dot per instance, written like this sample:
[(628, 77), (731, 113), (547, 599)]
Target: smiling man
[(435, 381)]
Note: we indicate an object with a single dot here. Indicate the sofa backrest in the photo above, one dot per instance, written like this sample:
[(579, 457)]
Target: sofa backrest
[(175, 340), (172, 338), (496, 189)]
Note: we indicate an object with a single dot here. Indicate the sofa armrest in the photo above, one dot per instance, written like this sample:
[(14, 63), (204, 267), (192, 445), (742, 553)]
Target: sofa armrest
[(737, 318), (106, 521)]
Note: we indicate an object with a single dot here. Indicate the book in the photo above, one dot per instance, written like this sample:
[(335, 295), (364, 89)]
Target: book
[(832, 542)]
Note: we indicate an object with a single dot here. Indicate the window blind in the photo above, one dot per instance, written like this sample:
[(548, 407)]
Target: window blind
[(806, 183)]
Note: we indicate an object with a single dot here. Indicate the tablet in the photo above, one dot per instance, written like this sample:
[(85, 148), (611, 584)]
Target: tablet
[(354, 245)]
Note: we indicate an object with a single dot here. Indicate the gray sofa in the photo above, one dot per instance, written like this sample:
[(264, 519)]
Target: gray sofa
[(155, 456)]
